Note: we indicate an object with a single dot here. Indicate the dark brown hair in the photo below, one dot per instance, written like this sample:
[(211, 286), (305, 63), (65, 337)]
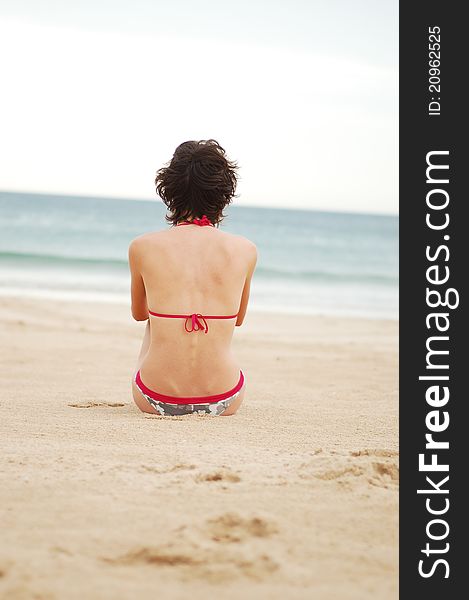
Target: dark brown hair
[(199, 180)]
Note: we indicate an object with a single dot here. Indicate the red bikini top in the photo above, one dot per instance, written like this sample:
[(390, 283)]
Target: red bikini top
[(195, 321)]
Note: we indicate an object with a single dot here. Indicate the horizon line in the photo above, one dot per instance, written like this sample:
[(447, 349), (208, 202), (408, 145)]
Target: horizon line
[(158, 200)]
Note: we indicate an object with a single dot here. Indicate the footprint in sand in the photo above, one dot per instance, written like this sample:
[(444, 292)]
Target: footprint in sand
[(384, 474), (379, 474), (331, 474), (193, 562), (97, 404), (155, 556), (230, 527), (219, 475), (344, 470)]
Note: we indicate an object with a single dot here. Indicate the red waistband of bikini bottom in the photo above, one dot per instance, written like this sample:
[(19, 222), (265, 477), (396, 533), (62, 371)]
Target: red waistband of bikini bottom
[(188, 399)]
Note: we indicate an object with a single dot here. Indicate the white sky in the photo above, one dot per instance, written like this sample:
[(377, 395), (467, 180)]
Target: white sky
[(97, 94)]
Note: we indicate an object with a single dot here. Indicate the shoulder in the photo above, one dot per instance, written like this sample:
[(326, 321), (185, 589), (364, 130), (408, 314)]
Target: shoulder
[(240, 241), (243, 246), (138, 245), (247, 246)]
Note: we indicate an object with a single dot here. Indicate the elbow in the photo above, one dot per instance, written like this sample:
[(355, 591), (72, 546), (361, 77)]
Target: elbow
[(139, 316), (240, 318)]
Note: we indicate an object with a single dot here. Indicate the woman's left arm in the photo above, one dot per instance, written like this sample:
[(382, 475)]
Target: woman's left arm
[(137, 287)]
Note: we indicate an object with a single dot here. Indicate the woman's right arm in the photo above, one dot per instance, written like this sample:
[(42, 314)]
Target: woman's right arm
[(247, 285), (137, 287)]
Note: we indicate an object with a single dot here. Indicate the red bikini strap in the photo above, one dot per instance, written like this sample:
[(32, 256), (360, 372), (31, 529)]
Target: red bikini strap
[(195, 320), (201, 222)]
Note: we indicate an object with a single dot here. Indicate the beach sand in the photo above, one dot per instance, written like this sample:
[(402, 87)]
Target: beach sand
[(295, 497)]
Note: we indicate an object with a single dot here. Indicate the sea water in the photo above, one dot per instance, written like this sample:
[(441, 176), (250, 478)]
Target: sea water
[(308, 261)]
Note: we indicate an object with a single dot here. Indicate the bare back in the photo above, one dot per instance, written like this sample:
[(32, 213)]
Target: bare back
[(185, 270)]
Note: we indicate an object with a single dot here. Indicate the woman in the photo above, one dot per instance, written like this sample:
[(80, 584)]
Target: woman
[(191, 281)]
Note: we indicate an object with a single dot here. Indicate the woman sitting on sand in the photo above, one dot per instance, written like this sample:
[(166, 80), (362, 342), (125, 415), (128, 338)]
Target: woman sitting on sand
[(191, 281)]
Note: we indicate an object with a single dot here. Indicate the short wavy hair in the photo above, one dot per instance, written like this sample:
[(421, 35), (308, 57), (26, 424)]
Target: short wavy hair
[(199, 180)]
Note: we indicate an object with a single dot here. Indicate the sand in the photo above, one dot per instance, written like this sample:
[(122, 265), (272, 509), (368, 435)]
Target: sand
[(295, 497)]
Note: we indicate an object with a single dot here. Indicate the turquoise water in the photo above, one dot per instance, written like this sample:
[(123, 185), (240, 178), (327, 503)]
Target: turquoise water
[(309, 262)]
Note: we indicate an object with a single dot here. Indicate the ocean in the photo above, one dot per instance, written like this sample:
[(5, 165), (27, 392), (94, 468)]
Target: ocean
[(309, 262)]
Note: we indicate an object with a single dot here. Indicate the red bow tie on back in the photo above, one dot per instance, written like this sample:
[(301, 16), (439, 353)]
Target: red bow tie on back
[(201, 222), (197, 323)]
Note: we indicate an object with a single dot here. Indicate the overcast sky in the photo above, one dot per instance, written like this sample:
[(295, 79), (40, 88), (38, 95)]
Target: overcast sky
[(97, 94)]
